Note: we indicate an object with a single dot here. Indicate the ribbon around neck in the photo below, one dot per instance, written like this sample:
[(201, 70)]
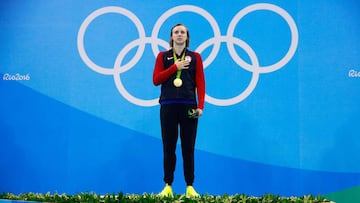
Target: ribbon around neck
[(178, 73)]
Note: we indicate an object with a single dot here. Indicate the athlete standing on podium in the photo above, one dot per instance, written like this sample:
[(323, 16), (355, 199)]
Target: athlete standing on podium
[(180, 73)]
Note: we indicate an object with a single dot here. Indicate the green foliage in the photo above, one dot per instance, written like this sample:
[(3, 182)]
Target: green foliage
[(152, 198)]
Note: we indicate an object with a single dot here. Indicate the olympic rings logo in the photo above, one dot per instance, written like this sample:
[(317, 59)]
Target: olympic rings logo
[(254, 67)]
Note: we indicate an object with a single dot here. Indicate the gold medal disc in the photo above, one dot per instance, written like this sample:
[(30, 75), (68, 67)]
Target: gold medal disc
[(177, 82)]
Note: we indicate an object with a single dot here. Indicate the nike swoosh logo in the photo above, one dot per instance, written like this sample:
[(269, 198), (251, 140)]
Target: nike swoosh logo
[(169, 58)]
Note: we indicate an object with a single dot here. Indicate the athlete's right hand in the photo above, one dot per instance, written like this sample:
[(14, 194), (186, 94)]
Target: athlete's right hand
[(182, 64)]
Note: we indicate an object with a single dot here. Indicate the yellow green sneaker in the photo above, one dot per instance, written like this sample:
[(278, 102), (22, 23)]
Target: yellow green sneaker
[(190, 192), (166, 192)]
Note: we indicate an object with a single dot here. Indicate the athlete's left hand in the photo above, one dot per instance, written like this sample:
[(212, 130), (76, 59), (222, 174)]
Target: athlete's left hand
[(200, 111)]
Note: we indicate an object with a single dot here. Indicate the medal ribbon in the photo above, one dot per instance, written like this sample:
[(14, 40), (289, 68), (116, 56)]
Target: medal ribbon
[(178, 73)]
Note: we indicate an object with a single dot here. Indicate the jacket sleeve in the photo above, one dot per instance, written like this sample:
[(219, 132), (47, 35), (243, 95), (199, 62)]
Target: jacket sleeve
[(160, 75), (200, 81)]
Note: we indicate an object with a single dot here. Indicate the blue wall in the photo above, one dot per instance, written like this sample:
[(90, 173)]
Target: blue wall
[(79, 111)]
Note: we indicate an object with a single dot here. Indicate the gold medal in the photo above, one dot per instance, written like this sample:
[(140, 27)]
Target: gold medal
[(177, 82)]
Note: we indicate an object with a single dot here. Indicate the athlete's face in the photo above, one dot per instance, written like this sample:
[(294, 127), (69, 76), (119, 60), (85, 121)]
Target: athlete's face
[(179, 35)]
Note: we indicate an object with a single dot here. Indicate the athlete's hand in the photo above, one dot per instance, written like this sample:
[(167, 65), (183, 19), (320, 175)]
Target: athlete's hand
[(200, 111), (182, 64)]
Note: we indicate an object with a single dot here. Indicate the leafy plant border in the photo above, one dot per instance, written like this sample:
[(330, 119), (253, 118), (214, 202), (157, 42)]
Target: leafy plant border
[(153, 198)]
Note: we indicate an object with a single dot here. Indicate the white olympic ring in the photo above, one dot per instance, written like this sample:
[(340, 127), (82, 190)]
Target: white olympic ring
[(216, 41)]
